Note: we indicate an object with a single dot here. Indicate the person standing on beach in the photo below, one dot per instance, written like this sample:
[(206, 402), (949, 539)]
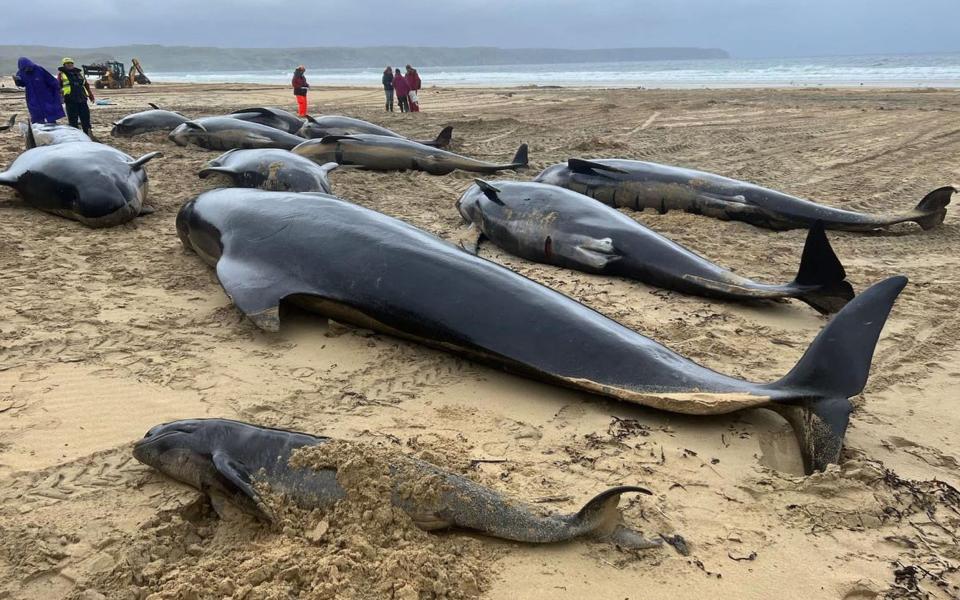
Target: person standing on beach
[(43, 91), (300, 87), (76, 94), (413, 82), (402, 89), (388, 87)]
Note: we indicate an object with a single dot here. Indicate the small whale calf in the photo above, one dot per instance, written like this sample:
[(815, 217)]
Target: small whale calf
[(229, 460), (639, 185)]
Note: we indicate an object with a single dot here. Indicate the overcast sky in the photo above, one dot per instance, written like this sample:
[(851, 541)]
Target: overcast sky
[(746, 28)]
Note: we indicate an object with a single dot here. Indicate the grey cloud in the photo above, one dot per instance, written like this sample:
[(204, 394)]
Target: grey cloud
[(743, 27)]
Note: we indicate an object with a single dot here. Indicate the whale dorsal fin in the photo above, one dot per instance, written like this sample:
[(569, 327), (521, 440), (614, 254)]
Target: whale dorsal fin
[(489, 190), (311, 119), (589, 167), (259, 110), (153, 106)]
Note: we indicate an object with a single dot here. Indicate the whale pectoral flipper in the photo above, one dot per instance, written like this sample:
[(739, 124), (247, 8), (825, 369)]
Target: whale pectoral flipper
[(470, 239), (256, 295), (138, 163), (238, 476), (332, 139), (325, 168), (590, 254)]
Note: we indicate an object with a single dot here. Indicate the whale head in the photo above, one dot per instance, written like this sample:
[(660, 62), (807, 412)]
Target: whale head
[(182, 450)]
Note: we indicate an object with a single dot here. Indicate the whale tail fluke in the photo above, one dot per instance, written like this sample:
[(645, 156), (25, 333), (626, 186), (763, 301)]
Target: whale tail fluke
[(820, 267), (834, 368), (600, 517), (933, 208)]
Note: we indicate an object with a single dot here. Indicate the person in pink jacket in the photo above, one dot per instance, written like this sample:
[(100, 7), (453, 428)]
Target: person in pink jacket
[(401, 88), (413, 82)]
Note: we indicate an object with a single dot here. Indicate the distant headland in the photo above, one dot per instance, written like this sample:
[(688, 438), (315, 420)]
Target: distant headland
[(200, 59)]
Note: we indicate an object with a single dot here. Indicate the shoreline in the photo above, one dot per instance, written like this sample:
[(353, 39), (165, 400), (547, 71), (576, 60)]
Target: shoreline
[(198, 86)]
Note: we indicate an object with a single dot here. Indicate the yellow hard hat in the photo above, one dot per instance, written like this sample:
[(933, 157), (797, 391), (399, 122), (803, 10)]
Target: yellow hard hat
[(66, 60)]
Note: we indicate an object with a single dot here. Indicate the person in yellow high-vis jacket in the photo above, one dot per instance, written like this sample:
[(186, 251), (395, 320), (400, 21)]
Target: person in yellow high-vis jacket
[(76, 94)]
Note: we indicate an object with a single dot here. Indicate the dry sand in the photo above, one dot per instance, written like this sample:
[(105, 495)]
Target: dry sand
[(104, 333)]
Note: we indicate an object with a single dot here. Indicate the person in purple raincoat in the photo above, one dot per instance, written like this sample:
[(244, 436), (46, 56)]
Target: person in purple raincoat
[(43, 91)]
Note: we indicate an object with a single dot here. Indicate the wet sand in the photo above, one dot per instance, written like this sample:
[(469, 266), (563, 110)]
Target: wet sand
[(104, 333)]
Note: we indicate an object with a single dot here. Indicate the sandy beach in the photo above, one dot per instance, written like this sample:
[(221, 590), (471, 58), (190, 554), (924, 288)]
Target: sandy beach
[(105, 333)]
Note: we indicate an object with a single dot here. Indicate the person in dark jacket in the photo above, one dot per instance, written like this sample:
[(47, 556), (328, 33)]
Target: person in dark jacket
[(76, 94), (388, 87), (402, 89), (413, 82), (43, 91), (300, 87)]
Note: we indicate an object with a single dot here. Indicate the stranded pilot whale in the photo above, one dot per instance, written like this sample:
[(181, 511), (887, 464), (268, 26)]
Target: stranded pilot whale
[(89, 182), (271, 169), (271, 117), (638, 185), (227, 133), (321, 127), (384, 153), (148, 121), (553, 225), (361, 267), (229, 460)]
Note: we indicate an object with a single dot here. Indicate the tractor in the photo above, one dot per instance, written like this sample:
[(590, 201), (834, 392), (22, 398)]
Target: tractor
[(113, 75)]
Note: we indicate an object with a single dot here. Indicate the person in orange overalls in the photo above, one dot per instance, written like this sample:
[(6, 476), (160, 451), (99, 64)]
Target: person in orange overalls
[(300, 87)]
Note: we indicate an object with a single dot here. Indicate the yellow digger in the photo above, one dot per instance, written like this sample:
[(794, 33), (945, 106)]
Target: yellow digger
[(113, 75)]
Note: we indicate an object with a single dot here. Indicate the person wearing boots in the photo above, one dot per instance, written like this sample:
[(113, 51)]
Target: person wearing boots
[(76, 94)]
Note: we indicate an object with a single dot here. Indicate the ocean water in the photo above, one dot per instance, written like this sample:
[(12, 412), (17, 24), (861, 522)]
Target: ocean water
[(917, 70)]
